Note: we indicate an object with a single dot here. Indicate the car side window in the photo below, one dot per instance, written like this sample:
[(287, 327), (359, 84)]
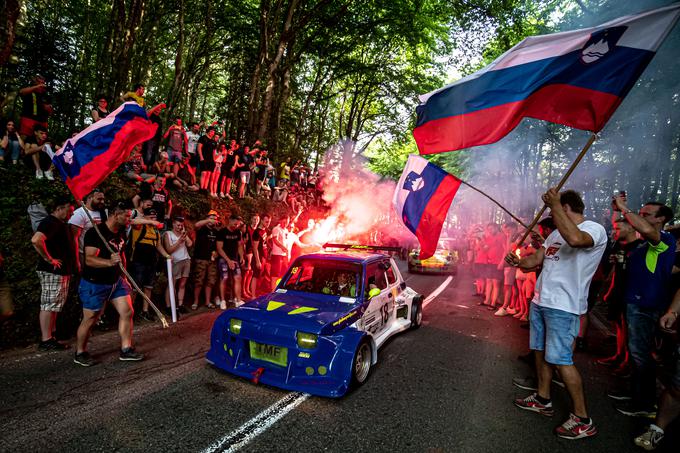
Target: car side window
[(391, 277), (375, 277)]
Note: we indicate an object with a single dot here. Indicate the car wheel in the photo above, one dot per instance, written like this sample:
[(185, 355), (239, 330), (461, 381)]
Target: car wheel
[(416, 313), (361, 365)]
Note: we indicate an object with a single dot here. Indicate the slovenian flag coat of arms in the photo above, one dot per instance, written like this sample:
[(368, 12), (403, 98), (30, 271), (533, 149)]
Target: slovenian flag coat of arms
[(422, 199), (575, 78)]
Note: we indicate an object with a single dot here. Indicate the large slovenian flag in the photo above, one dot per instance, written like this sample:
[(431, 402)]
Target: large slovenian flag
[(87, 159), (576, 78), (422, 200)]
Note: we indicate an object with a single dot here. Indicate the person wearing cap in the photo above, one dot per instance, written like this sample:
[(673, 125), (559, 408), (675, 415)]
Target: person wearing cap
[(143, 244), (177, 243), (205, 269)]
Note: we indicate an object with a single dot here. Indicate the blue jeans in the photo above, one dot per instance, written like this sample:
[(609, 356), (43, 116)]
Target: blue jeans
[(12, 151), (642, 324)]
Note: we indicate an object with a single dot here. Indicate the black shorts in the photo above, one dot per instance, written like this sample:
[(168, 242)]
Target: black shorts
[(227, 172), (194, 161), (207, 165)]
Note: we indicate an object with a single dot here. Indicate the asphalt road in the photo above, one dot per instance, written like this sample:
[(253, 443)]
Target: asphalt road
[(445, 387)]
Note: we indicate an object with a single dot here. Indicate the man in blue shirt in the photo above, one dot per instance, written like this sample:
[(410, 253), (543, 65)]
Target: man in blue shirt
[(647, 296)]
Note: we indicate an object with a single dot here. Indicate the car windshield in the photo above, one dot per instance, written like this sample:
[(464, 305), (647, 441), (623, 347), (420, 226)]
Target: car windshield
[(334, 278)]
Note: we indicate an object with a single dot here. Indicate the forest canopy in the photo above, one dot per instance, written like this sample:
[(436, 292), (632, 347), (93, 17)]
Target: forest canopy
[(306, 75)]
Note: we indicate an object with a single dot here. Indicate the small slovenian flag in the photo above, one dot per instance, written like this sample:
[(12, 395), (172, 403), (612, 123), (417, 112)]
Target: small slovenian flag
[(422, 199), (576, 78), (87, 159)]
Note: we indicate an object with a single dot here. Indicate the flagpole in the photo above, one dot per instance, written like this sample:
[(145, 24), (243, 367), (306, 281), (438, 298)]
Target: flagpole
[(571, 169), (160, 315), (494, 201)]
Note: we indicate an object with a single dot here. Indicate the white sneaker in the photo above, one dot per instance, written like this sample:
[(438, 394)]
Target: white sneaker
[(238, 303), (48, 175), (223, 304), (39, 174), (501, 312), (221, 194)]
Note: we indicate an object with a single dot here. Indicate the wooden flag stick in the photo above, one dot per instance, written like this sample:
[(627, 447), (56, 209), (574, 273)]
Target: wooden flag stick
[(160, 315), (494, 201), (571, 169)]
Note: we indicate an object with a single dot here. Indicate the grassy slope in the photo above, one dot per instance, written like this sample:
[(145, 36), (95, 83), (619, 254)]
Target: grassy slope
[(19, 189)]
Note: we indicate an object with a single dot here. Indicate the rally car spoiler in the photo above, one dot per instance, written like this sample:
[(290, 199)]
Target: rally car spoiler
[(361, 247)]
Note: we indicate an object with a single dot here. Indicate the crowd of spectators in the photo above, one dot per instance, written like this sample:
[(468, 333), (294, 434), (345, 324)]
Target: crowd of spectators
[(555, 278), (217, 261), (551, 281)]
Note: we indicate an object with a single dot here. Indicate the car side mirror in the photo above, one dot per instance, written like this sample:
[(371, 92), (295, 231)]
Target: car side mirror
[(373, 292)]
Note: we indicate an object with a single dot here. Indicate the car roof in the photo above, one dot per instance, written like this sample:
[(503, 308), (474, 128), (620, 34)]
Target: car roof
[(347, 256)]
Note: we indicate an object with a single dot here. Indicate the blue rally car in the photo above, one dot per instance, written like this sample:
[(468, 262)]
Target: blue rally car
[(320, 330)]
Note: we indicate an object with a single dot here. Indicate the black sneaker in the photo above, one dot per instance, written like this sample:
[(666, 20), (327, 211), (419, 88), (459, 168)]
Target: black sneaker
[(528, 383), (51, 345), (627, 408), (83, 359), (183, 310), (129, 354), (619, 395), (146, 316)]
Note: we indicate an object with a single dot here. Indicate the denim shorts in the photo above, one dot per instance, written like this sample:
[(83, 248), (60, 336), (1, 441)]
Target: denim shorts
[(95, 295), (554, 332)]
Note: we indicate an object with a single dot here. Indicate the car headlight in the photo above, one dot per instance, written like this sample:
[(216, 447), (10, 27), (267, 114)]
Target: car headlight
[(307, 340), (235, 326)]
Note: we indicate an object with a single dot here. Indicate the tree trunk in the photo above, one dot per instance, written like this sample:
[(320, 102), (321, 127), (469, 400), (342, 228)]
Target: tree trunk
[(8, 28), (177, 82), (284, 40)]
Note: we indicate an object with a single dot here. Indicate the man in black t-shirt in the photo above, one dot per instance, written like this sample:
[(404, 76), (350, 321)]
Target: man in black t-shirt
[(36, 153), (205, 271), (54, 243), (162, 203), (102, 281), (35, 106), (205, 148), (230, 251)]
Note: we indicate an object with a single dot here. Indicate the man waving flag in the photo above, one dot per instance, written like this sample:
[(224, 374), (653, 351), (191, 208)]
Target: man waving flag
[(422, 199), (87, 159), (575, 78)]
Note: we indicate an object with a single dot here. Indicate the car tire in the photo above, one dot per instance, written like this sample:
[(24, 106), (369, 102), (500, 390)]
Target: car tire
[(416, 313), (361, 365)]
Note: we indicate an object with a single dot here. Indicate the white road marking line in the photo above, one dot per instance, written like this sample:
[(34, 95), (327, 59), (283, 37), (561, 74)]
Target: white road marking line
[(243, 435), (437, 291)]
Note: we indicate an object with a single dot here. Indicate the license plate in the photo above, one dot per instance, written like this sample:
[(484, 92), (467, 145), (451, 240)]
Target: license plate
[(277, 355)]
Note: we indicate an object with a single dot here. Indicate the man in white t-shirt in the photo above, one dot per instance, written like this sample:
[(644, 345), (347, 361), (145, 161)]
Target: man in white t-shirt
[(80, 222), (569, 257)]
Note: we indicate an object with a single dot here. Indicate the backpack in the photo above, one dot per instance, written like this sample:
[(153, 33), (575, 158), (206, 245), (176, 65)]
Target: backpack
[(36, 214)]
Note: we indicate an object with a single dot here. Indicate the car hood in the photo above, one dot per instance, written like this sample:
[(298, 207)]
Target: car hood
[(315, 313)]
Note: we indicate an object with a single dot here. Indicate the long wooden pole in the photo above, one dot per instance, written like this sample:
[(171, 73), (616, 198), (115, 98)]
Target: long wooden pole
[(566, 176), (495, 202), (160, 315)]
